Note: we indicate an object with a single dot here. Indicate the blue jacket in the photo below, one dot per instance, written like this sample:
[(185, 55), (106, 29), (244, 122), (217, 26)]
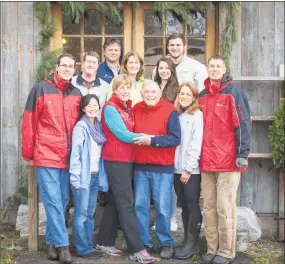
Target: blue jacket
[(80, 167), (105, 73)]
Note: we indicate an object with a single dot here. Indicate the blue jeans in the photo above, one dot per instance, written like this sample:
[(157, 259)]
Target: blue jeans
[(54, 189), (83, 222), (160, 184)]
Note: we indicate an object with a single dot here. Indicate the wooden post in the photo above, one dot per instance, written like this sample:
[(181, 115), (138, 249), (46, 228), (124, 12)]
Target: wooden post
[(281, 222), (33, 210)]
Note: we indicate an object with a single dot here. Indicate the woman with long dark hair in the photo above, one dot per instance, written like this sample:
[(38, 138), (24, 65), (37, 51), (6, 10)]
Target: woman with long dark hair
[(166, 78)]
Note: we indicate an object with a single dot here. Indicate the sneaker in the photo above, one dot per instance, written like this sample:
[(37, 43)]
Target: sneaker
[(93, 255), (150, 250), (166, 252), (111, 251), (142, 257), (173, 226)]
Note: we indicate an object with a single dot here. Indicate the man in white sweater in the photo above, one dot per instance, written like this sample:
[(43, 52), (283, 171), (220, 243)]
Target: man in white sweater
[(187, 69)]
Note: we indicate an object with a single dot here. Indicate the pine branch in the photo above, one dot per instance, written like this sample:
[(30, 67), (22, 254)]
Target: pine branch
[(47, 64)]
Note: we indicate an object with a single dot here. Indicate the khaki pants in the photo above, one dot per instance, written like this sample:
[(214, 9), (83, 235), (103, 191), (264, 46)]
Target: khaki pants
[(219, 191)]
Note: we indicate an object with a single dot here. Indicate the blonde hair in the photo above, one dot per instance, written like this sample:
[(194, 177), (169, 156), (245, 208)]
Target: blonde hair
[(125, 61), (119, 80), (195, 105)]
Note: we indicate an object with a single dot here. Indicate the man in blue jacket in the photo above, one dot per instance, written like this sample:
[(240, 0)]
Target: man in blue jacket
[(110, 68)]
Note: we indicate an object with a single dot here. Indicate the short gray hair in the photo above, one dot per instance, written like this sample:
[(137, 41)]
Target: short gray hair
[(148, 82)]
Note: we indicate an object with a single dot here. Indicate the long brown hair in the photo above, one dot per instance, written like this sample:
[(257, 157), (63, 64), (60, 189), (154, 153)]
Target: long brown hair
[(194, 106), (171, 88), (125, 61)]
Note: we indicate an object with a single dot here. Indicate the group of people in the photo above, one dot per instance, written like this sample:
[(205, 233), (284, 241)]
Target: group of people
[(185, 130)]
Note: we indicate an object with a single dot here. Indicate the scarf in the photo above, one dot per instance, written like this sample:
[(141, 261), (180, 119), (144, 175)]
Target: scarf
[(95, 130), (60, 84)]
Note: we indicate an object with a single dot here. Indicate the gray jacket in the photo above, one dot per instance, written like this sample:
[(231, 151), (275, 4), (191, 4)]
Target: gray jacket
[(187, 154), (99, 88)]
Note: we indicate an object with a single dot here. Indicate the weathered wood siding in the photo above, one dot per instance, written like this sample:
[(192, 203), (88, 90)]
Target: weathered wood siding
[(19, 56), (258, 51)]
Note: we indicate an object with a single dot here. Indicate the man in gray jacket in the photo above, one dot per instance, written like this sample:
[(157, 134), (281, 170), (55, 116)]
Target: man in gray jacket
[(187, 69), (88, 81)]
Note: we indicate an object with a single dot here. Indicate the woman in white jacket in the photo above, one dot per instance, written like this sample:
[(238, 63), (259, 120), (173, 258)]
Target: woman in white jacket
[(187, 177)]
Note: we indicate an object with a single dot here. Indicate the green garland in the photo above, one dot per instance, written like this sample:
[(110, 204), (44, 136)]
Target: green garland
[(229, 34), (180, 9), (277, 137), (75, 10)]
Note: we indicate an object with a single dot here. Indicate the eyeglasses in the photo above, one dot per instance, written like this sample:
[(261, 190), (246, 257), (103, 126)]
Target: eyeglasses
[(67, 66), (89, 62)]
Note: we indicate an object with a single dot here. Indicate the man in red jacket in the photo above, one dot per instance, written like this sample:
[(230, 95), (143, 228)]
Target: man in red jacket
[(51, 112), (154, 164), (225, 149)]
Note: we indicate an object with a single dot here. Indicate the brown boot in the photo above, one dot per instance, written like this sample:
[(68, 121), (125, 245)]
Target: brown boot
[(52, 252), (64, 255)]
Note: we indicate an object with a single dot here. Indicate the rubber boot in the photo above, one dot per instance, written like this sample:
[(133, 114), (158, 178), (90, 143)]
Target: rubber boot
[(185, 222), (191, 245)]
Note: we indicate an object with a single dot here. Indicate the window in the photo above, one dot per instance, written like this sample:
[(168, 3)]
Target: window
[(155, 36), (89, 35)]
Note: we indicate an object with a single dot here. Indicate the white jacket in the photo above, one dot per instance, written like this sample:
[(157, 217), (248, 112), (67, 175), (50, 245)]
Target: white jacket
[(190, 70), (187, 154)]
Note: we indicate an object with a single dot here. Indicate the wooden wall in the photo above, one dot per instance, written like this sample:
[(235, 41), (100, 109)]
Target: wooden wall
[(258, 51), (19, 56)]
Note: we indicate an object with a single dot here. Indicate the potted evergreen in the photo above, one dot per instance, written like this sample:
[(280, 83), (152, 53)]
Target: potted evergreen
[(277, 140)]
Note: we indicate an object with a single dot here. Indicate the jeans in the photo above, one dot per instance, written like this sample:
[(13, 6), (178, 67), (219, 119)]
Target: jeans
[(120, 208), (83, 222), (54, 189), (161, 185)]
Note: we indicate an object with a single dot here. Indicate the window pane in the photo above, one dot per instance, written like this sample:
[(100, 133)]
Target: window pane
[(93, 44), (92, 22), (68, 27), (152, 50), (148, 71), (72, 46), (172, 24), (196, 49), (112, 28), (152, 24), (198, 26)]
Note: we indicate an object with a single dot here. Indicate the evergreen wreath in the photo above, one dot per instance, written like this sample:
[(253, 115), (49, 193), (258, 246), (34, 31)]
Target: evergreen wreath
[(75, 10)]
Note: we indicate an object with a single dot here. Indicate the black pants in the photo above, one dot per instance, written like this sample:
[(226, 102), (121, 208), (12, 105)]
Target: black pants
[(189, 195), (120, 208)]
